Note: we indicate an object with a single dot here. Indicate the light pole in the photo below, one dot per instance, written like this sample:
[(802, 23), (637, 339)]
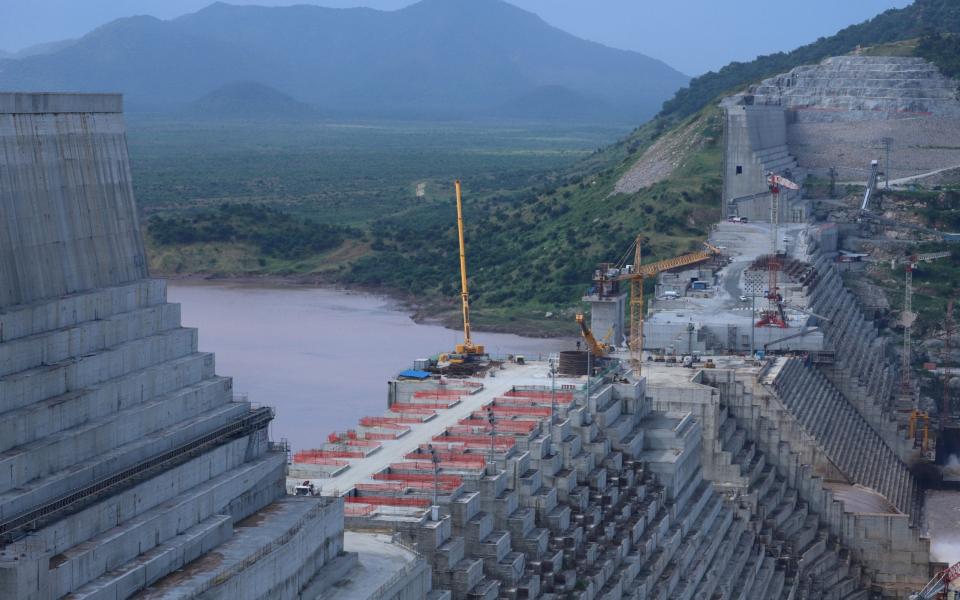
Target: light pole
[(491, 469), (553, 392), (435, 459), (753, 321)]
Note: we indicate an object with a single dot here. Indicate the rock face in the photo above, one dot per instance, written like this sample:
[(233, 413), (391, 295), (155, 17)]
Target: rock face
[(840, 111), (856, 88)]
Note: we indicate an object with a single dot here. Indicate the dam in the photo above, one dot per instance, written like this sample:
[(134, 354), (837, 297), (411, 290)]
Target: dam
[(776, 465)]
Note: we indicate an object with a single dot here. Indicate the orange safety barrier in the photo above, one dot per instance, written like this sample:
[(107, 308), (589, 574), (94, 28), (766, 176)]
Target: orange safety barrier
[(412, 408), (536, 411), (439, 393), (388, 501), (426, 466), (335, 454), (498, 440), (547, 394), (526, 425), (442, 478), (437, 405), (311, 457), (389, 422), (357, 510), (373, 435)]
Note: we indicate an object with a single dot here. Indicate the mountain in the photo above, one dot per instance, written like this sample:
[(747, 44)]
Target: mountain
[(436, 58), (923, 17), (248, 99)]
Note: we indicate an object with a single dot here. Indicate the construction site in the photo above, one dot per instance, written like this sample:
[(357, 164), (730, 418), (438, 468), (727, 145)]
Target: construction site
[(747, 432)]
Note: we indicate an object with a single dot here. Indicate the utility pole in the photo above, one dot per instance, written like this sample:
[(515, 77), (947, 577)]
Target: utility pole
[(753, 320)]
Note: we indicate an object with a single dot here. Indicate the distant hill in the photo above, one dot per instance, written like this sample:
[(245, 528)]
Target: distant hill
[(433, 59), (923, 17), (248, 99)]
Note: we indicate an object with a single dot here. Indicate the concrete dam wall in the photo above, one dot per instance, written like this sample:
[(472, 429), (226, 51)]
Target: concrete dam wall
[(68, 222), (123, 455)]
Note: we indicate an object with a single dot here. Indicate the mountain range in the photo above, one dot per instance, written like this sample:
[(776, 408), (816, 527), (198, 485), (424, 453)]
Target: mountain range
[(433, 59)]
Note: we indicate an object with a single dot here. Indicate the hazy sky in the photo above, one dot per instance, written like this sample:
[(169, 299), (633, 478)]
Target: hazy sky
[(693, 36)]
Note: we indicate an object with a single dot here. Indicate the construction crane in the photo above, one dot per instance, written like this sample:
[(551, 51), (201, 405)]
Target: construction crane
[(939, 584), (598, 348), (946, 410), (635, 274), (774, 316), (907, 319), (467, 349)]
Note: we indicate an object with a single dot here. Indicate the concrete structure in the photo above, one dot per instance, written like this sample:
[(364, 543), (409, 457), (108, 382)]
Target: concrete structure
[(755, 144), (839, 113), (127, 466)]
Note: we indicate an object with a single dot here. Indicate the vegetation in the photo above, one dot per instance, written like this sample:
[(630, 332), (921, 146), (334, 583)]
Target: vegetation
[(275, 233), (943, 50), (922, 17), (535, 250)]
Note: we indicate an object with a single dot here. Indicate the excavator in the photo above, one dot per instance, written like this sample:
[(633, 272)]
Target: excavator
[(467, 351), (598, 348)]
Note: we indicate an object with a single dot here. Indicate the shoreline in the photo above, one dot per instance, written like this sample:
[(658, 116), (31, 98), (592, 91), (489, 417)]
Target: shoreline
[(419, 312)]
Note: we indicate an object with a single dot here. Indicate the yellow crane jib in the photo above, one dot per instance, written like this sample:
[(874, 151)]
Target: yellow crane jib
[(467, 347), (598, 348)]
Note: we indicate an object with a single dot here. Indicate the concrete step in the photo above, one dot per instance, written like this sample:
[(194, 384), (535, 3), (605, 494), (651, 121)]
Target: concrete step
[(74, 408), (66, 448), (117, 546), (34, 385), (51, 347), (157, 562), (24, 320), (47, 488)]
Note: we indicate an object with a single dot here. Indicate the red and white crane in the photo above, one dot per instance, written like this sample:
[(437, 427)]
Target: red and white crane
[(774, 316)]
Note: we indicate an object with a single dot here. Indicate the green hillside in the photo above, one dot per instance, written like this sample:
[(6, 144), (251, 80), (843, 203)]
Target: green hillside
[(533, 251)]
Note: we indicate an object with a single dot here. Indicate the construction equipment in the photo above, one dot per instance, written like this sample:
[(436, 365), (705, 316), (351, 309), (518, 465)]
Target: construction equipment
[(611, 273), (920, 429), (871, 185), (938, 585), (946, 410), (598, 348), (467, 349), (907, 319), (774, 316)]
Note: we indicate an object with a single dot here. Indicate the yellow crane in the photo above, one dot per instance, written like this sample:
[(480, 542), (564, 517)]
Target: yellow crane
[(636, 274), (598, 348), (467, 348)]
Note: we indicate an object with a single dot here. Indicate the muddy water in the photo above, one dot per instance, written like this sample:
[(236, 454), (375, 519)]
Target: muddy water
[(321, 357)]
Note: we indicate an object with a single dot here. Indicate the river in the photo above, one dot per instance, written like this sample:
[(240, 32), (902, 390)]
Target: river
[(322, 357)]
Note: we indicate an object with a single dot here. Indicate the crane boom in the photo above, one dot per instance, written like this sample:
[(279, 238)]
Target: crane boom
[(597, 347), (467, 347)]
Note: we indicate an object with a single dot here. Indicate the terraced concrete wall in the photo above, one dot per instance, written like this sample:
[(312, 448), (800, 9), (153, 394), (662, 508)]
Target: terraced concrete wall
[(68, 222)]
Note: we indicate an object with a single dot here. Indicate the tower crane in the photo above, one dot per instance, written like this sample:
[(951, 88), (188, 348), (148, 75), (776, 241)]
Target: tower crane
[(467, 349), (907, 319), (635, 274), (774, 316)]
